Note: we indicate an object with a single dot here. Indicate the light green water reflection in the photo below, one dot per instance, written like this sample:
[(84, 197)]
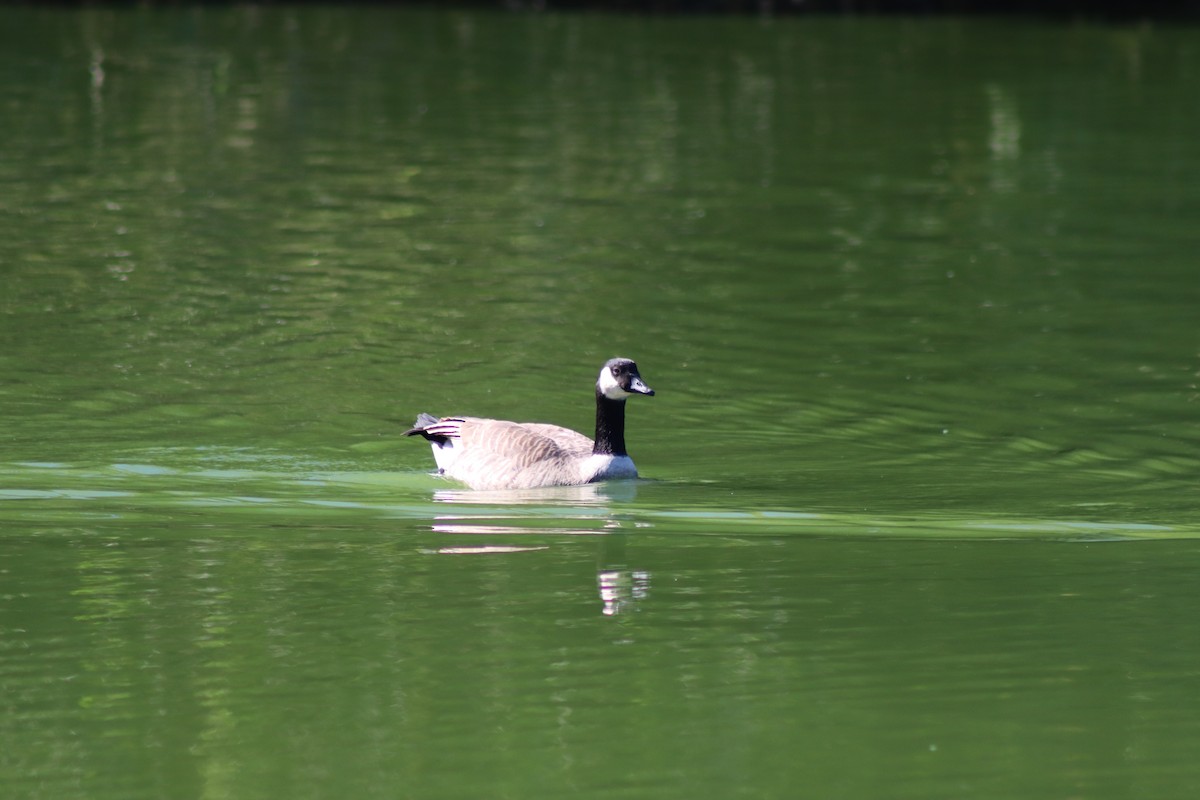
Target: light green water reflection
[(917, 296)]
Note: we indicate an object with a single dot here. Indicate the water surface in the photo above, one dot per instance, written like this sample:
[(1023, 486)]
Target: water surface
[(917, 515)]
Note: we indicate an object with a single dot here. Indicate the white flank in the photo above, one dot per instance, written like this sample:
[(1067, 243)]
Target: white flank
[(445, 454)]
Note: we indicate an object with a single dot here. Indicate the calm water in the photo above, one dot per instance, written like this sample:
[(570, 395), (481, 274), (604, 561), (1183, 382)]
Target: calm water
[(919, 512)]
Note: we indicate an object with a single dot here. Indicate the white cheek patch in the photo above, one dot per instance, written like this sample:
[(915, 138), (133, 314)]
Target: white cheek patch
[(609, 386)]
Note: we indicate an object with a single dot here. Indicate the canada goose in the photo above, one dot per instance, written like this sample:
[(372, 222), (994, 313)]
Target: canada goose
[(496, 454)]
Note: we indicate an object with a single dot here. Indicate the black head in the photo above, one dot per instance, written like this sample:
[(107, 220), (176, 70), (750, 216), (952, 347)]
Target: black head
[(619, 379)]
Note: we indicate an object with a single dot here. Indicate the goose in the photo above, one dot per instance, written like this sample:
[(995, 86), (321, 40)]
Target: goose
[(497, 454)]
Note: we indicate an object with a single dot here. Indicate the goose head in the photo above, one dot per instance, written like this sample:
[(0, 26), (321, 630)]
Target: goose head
[(619, 379)]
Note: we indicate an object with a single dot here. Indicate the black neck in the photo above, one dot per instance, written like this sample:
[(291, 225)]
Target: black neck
[(610, 426)]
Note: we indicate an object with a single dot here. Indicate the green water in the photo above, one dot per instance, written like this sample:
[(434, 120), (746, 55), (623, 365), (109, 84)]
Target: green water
[(918, 516)]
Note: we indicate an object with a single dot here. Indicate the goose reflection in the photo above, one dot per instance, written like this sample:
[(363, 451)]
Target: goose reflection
[(589, 494), (558, 510), (621, 587)]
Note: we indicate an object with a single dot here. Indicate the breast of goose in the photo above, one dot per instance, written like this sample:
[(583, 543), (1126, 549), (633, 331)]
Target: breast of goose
[(498, 454)]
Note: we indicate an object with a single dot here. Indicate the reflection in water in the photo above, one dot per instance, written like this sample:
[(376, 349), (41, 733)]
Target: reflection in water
[(485, 550), (590, 494), (584, 508), (500, 530), (620, 590), (1004, 138), (620, 586)]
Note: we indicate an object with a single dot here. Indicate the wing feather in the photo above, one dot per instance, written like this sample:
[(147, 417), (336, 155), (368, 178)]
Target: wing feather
[(491, 453)]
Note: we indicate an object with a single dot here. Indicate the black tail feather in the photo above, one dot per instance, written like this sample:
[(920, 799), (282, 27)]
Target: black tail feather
[(418, 429)]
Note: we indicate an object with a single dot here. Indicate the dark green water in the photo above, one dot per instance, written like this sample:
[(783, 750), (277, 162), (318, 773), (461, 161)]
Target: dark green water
[(919, 510)]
